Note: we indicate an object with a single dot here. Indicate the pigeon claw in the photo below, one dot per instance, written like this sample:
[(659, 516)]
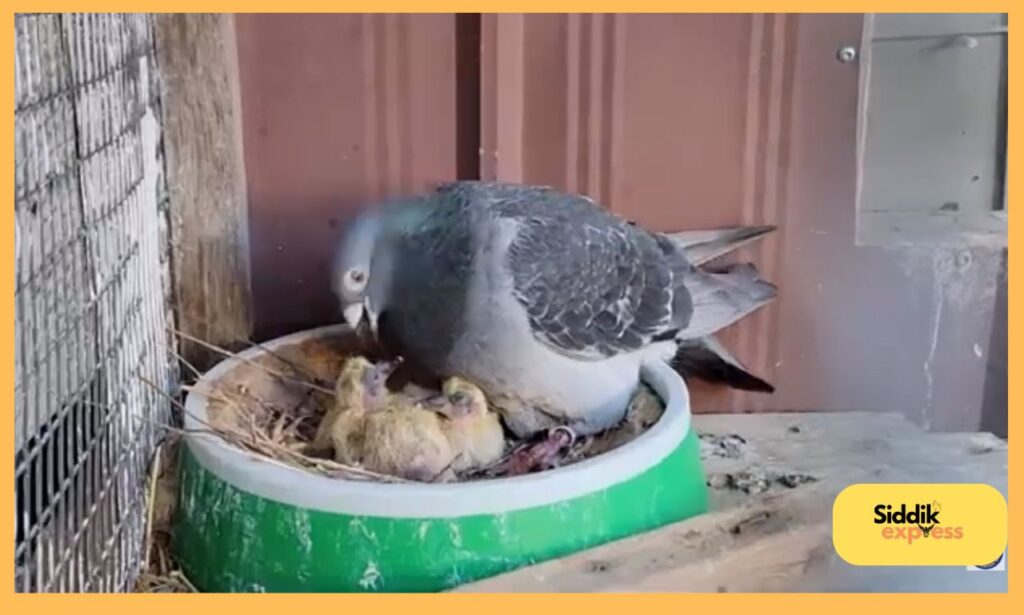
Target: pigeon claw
[(564, 436), (541, 455)]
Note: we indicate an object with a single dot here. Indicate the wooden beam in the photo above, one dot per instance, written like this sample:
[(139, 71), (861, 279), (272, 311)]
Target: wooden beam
[(201, 106), (777, 536)]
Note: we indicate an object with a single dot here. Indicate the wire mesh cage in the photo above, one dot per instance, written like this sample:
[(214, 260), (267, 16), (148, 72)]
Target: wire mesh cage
[(91, 297)]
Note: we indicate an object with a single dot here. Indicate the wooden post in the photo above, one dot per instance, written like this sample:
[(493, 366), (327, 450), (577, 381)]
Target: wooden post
[(201, 104)]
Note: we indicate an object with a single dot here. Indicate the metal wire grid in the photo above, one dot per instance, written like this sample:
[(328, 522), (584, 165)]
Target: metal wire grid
[(91, 307)]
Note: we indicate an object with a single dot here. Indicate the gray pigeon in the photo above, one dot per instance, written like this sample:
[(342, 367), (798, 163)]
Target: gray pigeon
[(546, 300)]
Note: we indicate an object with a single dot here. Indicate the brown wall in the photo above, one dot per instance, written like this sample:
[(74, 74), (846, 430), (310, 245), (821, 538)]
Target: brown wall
[(676, 121), (338, 110)]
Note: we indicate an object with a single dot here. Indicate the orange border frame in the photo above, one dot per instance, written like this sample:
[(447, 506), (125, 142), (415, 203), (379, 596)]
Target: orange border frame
[(450, 604)]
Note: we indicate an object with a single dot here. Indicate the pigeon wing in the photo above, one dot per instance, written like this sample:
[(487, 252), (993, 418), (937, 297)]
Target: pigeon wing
[(594, 287)]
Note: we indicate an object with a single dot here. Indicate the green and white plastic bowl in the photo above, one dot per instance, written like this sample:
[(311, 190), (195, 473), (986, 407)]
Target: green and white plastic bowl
[(248, 524)]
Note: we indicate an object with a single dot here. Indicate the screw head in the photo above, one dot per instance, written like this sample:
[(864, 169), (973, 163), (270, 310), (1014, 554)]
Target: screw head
[(846, 54)]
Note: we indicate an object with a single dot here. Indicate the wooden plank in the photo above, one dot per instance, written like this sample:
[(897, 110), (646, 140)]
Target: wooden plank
[(664, 560), (909, 25), (779, 539), (206, 178)]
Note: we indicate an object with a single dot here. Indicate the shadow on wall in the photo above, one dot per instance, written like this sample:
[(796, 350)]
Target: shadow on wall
[(994, 406)]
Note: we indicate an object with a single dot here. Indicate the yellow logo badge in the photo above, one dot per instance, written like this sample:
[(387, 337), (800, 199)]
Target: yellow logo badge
[(919, 524)]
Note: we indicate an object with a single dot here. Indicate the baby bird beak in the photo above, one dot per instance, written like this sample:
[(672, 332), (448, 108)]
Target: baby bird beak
[(386, 368), (434, 402)]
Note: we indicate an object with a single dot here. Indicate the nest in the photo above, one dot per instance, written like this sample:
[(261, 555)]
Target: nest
[(272, 406)]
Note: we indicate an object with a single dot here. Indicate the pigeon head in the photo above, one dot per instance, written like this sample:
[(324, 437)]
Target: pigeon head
[(351, 271), (364, 262), (465, 397)]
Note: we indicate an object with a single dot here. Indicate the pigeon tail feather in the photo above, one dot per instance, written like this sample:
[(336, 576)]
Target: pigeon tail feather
[(707, 360), (703, 246), (722, 298)]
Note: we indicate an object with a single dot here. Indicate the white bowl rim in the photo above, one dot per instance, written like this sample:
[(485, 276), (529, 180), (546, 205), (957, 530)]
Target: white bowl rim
[(281, 483)]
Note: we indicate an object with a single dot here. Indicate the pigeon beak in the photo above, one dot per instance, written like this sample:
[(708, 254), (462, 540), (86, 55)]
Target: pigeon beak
[(353, 314)]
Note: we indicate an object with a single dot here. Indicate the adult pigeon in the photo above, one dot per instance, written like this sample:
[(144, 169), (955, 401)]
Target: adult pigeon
[(546, 300)]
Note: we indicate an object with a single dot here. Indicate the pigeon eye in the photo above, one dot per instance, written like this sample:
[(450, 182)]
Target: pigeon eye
[(357, 276), (458, 397)]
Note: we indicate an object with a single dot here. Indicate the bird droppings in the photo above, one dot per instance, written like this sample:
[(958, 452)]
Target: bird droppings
[(304, 531), (356, 525), (983, 444), (760, 481), (294, 405), (728, 446), (752, 522), (792, 481), (371, 576), (456, 535)]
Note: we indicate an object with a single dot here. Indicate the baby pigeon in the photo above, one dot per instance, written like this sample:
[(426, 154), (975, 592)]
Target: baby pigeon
[(360, 389), (474, 432), (404, 439)]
